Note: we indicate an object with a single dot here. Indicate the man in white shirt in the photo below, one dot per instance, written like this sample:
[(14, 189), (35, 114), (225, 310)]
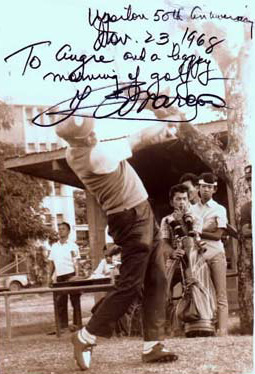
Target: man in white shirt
[(104, 268), (106, 174), (214, 218), (63, 255)]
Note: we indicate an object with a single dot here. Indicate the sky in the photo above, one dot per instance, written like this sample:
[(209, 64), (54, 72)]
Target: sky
[(57, 23)]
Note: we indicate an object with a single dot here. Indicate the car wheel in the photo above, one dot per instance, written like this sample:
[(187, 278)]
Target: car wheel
[(15, 286)]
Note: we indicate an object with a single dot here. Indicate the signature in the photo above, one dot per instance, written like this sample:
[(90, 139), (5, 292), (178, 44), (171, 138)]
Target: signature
[(119, 96), (136, 96)]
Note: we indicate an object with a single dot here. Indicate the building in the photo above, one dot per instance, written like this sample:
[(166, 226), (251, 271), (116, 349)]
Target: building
[(59, 205)]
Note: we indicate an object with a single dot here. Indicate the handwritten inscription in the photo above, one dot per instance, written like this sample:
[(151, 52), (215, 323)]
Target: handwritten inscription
[(135, 78), (198, 14), (33, 61)]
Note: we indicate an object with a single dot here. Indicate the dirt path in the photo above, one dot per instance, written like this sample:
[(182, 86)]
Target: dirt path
[(32, 314), (31, 351)]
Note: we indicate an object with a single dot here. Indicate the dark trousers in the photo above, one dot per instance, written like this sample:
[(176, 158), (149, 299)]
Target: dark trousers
[(62, 304), (142, 269)]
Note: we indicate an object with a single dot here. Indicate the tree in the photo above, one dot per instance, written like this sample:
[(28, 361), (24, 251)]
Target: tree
[(6, 118), (80, 206), (21, 216), (229, 163)]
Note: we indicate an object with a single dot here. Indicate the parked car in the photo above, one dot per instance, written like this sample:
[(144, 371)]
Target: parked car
[(14, 282)]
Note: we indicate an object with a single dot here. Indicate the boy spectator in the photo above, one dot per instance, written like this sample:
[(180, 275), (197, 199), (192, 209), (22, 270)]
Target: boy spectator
[(181, 222), (107, 265), (214, 218)]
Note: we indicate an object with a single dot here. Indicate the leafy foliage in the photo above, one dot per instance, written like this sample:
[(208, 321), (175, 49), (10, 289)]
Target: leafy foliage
[(80, 207), (21, 216), (6, 118)]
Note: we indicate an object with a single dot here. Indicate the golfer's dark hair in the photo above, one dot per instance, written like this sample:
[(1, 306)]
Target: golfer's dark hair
[(177, 188), (193, 178), (208, 177), (66, 224)]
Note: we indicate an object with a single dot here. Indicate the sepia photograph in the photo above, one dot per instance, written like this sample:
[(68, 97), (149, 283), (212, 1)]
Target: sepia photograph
[(126, 156)]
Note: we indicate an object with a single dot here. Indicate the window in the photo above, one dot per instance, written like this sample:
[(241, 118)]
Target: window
[(43, 116), (48, 219), (28, 115), (35, 112), (82, 237), (54, 146), (52, 118), (43, 147), (60, 218), (57, 188), (31, 147)]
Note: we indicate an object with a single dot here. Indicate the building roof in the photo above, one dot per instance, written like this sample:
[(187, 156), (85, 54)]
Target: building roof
[(49, 165), (52, 165)]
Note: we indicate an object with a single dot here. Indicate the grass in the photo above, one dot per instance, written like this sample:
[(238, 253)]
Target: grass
[(31, 351)]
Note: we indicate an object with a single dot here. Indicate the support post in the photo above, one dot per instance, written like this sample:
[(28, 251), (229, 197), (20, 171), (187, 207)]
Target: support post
[(8, 316)]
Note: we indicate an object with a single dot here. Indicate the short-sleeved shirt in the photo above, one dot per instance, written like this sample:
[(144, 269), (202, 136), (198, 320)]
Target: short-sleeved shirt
[(107, 175), (61, 255), (103, 269), (212, 212), (166, 231)]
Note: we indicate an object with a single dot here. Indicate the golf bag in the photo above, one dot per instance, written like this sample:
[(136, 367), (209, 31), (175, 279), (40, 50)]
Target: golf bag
[(194, 311)]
